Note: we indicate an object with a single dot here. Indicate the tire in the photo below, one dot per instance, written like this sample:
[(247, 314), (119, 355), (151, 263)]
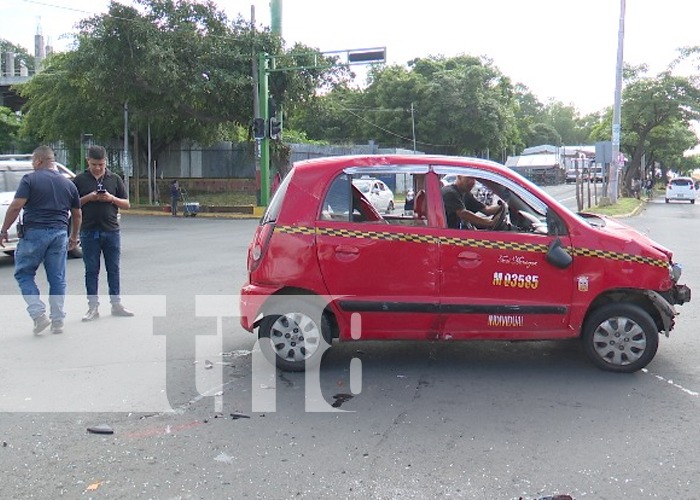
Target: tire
[(692, 202), (666, 200), (620, 338), (292, 334), (390, 207)]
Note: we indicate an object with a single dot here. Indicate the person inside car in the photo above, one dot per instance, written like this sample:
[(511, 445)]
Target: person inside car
[(461, 206)]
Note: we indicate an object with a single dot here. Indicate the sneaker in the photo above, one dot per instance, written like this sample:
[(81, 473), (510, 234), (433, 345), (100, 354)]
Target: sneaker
[(120, 310), (41, 323), (92, 314), (57, 326)]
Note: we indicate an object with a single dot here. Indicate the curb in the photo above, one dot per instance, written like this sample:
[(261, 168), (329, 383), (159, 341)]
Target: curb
[(205, 215)]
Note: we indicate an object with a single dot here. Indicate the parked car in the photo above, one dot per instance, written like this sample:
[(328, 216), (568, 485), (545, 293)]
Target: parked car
[(376, 192), (681, 189), (324, 264), (570, 176), (12, 170)]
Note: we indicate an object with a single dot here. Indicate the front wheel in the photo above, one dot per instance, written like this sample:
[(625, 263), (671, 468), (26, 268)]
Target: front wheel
[(620, 338), (294, 333)]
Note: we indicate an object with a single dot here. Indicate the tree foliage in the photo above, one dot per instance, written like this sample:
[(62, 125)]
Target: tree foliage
[(182, 68), (9, 129), (459, 105)]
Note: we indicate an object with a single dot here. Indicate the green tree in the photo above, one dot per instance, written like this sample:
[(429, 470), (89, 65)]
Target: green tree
[(9, 129), (182, 67), (459, 105)]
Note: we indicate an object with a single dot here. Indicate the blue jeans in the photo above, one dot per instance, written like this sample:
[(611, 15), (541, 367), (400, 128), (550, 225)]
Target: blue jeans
[(108, 244), (49, 246)]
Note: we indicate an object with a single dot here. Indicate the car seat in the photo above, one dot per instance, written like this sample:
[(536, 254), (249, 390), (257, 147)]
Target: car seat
[(419, 205)]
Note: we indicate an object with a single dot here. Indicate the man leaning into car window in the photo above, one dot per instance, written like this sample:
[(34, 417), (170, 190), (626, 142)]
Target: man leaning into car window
[(461, 206)]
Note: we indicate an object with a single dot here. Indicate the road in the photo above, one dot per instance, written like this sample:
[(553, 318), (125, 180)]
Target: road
[(464, 420)]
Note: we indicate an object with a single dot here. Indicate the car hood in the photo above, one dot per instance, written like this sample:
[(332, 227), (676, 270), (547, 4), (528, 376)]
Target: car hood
[(624, 232)]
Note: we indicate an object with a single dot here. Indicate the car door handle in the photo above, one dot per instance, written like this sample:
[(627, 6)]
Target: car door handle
[(345, 249), (468, 260), (345, 253)]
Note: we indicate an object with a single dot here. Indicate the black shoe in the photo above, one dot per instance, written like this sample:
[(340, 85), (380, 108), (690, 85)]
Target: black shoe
[(40, 324), (120, 310), (92, 314), (57, 326)]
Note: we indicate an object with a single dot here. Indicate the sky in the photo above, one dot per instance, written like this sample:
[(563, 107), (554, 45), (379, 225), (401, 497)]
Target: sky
[(565, 50)]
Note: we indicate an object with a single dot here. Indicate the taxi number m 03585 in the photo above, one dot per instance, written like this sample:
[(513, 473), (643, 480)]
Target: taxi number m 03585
[(514, 280)]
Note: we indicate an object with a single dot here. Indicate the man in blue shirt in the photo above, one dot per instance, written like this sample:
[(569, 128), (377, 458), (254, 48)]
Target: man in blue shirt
[(47, 199)]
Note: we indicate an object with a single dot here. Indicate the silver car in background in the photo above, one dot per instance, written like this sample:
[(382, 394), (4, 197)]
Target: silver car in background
[(12, 169)]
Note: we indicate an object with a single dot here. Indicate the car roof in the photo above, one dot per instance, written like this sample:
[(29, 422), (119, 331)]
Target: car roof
[(26, 166), (21, 156)]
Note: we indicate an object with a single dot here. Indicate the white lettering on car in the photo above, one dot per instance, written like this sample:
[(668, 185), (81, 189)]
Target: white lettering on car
[(517, 260), (506, 320)]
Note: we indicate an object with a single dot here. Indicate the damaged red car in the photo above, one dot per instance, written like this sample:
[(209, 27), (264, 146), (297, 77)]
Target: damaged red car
[(326, 265)]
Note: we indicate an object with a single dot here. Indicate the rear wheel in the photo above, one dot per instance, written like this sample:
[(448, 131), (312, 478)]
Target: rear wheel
[(620, 338), (294, 333)]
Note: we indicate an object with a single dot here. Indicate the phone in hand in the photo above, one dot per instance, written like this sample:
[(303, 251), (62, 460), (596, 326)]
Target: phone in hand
[(101, 190)]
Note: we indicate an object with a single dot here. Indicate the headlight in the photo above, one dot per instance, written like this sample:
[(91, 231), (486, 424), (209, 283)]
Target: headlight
[(675, 272)]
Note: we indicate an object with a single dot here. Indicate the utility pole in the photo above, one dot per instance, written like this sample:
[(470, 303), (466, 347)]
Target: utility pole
[(256, 104), (617, 108), (413, 126)]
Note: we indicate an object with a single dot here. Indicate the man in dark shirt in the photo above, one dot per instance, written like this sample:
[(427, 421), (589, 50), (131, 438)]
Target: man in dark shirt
[(461, 206), (47, 199), (102, 194)]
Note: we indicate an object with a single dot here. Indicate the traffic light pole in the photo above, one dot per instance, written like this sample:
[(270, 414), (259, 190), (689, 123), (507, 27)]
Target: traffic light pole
[(265, 141), (358, 56)]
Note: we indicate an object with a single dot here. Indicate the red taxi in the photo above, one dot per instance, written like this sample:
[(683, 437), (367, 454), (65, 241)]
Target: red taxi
[(324, 264)]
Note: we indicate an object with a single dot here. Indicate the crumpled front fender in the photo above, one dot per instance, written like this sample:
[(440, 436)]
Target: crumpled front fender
[(665, 308)]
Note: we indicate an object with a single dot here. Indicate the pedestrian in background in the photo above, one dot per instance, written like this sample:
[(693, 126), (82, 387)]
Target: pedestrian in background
[(102, 195), (46, 198), (174, 196)]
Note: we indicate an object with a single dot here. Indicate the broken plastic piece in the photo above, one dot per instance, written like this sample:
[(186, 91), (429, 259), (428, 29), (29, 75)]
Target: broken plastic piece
[(101, 429)]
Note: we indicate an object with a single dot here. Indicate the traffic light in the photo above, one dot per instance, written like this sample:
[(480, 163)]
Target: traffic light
[(258, 128), (275, 128)]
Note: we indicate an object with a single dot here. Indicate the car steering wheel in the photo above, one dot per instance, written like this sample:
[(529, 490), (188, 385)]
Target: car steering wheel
[(499, 220)]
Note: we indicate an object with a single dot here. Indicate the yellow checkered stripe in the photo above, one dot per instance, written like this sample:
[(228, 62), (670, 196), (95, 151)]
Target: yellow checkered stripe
[(604, 254), (308, 231), (467, 242), (495, 245), (414, 238)]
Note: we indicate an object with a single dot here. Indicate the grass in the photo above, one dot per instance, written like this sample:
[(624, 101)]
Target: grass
[(624, 206), (223, 199)]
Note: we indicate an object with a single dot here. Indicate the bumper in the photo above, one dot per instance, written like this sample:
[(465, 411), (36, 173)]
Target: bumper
[(679, 294), (252, 298)]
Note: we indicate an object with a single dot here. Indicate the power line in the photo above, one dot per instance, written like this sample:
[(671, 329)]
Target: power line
[(387, 131)]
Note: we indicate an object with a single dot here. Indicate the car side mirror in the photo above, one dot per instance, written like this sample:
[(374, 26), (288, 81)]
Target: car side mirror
[(557, 255)]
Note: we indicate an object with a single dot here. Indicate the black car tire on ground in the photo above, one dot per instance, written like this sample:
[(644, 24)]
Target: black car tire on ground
[(293, 332), (620, 337)]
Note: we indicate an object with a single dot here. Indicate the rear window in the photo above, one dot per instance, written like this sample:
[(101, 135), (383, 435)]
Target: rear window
[(682, 182), (9, 180), (273, 209)]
